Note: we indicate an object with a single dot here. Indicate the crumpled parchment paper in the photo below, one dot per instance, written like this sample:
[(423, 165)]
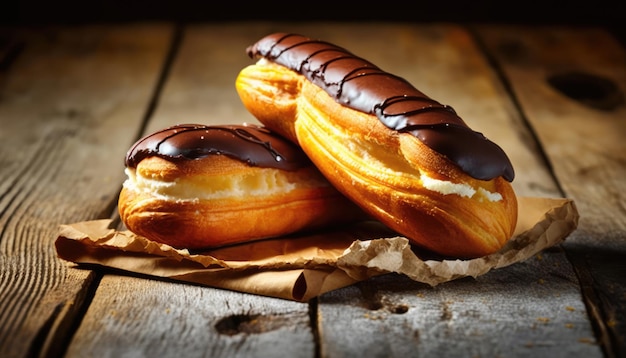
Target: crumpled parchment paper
[(300, 267)]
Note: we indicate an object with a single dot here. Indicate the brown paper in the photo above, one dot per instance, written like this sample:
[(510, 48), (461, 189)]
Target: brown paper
[(300, 267)]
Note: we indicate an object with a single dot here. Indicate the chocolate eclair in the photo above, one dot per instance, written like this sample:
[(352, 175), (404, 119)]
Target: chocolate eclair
[(198, 186), (403, 157)]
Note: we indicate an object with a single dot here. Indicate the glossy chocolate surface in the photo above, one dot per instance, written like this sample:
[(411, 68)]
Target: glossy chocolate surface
[(360, 85), (249, 143)]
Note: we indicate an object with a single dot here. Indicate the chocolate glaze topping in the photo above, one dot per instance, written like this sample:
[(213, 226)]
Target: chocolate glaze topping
[(360, 85), (249, 143)]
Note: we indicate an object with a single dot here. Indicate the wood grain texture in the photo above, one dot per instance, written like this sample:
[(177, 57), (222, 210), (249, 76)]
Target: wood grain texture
[(581, 128), (201, 85), (132, 316), (70, 102), (531, 309), (584, 144)]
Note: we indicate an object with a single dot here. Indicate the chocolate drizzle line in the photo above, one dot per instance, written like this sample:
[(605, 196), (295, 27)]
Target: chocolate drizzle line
[(360, 85), (249, 143)]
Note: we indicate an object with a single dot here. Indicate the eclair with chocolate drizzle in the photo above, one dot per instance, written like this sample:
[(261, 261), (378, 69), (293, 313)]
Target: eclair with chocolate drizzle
[(197, 186), (406, 159)]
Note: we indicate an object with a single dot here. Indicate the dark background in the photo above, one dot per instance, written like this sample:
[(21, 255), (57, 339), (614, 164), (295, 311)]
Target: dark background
[(608, 14)]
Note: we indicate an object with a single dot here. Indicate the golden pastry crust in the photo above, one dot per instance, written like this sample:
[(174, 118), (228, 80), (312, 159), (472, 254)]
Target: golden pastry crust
[(392, 175)]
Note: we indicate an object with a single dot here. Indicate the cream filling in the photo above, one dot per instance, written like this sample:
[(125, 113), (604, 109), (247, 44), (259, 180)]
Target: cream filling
[(266, 182), (447, 187), (263, 62)]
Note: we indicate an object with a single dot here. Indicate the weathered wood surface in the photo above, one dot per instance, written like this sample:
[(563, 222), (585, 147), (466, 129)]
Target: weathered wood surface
[(570, 84), (137, 317), (73, 99), (68, 102)]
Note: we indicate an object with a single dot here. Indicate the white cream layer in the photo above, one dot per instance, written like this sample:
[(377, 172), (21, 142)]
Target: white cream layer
[(266, 182), (448, 187)]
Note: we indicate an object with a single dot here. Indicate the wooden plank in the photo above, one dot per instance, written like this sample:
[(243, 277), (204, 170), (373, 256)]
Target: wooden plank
[(585, 144), (70, 103), (580, 123), (521, 311), (529, 309), (149, 317), (201, 88)]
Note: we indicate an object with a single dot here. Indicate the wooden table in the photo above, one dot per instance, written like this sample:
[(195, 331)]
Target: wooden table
[(74, 98)]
